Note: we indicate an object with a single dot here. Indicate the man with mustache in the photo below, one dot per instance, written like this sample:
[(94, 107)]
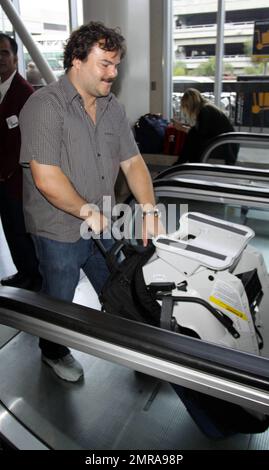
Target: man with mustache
[(75, 137)]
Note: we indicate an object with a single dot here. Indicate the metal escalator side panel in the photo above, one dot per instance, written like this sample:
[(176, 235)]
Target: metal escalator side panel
[(15, 435), (234, 376)]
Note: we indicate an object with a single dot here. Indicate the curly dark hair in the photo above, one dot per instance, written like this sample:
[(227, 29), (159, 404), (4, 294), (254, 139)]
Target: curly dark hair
[(81, 42)]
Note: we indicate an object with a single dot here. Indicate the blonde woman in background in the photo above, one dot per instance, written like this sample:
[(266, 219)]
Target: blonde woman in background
[(203, 122)]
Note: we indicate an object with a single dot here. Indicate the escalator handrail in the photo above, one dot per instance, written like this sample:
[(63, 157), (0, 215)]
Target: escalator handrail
[(200, 185), (212, 168), (235, 138)]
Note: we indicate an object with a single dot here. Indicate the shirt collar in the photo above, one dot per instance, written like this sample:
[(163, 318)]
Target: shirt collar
[(68, 88), (4, 87)]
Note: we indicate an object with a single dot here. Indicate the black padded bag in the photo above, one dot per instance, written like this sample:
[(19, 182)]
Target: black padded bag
[(125, 293)]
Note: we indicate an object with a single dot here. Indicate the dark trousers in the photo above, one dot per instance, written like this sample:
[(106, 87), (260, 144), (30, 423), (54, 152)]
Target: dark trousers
[(19, 241), (60, 264)]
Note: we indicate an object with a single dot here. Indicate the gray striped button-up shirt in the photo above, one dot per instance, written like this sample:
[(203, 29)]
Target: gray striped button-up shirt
[(56, 130)]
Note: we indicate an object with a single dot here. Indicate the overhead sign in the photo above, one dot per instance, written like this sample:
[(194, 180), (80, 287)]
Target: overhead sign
[(261, 39), (252, 107)]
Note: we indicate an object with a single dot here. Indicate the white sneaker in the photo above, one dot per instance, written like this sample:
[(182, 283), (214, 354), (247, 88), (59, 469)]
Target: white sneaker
[(67, 367)]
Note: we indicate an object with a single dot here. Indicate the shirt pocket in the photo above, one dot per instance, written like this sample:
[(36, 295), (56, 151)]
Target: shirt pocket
[(112, 142)]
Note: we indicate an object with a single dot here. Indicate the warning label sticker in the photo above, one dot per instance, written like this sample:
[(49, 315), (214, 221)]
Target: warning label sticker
[(227, 298)]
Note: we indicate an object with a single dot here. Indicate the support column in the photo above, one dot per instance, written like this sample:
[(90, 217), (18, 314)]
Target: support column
[(161, 68), (219, 51), (132, 17), (73, 14)]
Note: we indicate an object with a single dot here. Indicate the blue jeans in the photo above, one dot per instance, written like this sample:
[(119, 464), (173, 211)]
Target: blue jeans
[(59, 265)]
